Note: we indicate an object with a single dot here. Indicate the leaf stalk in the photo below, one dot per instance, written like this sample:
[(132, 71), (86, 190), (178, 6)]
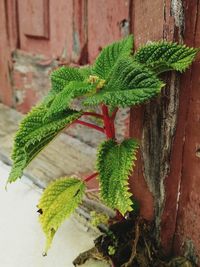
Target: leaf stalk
[(108, 123), (90, 125), (90, 177)]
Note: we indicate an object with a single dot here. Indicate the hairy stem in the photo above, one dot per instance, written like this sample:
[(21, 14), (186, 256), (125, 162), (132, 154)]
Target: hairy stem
[(108, 123), (92, 190), (88, 178), (93, 114), (90, 125)]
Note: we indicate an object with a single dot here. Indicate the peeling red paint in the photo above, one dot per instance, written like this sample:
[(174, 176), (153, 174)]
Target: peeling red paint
[(30, 98)]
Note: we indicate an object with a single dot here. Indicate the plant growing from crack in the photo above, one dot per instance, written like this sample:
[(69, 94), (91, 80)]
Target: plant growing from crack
[(118, 78)]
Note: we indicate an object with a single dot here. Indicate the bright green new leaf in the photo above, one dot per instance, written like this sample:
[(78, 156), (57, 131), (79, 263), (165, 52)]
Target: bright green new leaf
[(62, 76), (110, 55), (115, 163), (58, 202), (35, 132), (63, 99), (165, 56), (129, 84)]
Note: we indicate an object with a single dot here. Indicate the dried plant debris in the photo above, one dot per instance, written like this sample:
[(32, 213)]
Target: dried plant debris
[(130, 243)]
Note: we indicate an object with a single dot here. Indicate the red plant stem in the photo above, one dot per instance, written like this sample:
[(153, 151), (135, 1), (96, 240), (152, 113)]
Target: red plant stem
[(108, 123), (90, 125), (92, 190), (93, 114), (119, 216), (91, 177)]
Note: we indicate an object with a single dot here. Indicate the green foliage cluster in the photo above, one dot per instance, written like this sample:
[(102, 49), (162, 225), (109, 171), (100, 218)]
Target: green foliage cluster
[(118, 78)]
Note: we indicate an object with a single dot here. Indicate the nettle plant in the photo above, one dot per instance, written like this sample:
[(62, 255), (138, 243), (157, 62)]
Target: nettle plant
[(118, 78)]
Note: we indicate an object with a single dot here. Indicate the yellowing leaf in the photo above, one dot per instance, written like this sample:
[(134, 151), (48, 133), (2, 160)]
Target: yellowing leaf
[(58, 201)]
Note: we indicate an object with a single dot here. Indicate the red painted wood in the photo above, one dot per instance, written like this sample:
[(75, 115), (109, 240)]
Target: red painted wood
[(188, 227), (107, 22), (5, 62), (59, 44), (189, 204), (12, 23), (37, 12), (173, 181), (148, 19), (80, 32), (138, 184), (144, 29)]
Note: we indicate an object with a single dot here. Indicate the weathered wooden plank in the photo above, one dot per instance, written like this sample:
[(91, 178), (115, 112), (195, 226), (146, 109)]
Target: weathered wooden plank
[(80, 32), (12, 23), (5, 60), (187, 235), (173, 180), (147, 25), (65, 156), (37, 12), (155, 123), (59, 44), (107, 21)]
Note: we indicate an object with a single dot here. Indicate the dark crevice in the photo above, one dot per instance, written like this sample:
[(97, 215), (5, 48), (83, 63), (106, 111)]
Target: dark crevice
[(18, 43)]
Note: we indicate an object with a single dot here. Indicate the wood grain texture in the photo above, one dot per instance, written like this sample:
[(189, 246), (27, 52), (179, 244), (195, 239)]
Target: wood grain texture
[(5, 59), (188, 216), (155, 122), (37, 14), (108, 21)]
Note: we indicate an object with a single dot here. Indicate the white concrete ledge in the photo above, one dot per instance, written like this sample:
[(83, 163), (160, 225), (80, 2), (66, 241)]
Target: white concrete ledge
[(21, 238)]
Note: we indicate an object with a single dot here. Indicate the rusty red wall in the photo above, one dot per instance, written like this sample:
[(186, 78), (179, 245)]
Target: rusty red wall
[(39, 35), (188, 216)]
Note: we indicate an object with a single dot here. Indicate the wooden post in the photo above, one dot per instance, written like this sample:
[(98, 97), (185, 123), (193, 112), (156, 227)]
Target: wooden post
[(5, 60), (155, 123)]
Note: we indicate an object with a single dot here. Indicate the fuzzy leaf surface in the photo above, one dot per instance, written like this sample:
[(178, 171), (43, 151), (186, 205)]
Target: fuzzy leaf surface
[(63, 99), (165, 56), (58, 202), (115, 163), (62, 76), (35, 132), (129, 84), (86, 71), (110, 55)]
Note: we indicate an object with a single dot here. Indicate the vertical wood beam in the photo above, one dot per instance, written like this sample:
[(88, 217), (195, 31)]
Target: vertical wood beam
[(5, 60), (187, 236), (80, 31), (155, 123)]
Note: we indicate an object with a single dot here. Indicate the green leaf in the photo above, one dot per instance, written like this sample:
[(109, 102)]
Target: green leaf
[(110, 55), (129, 84), (115, 163), (58, 202), (165, 56), (35, 132), (63, 99), (62, 76), (86, 71)]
